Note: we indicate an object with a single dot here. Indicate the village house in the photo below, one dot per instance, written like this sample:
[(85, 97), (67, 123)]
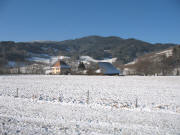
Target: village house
[(129, 71), (27, 69), (60, 67)]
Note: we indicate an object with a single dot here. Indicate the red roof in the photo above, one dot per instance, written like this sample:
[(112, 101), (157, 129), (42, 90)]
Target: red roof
[(60, 64), (57, 64)]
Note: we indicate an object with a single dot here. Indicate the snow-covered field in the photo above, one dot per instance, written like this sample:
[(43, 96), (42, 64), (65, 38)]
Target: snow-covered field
[(89, 105)]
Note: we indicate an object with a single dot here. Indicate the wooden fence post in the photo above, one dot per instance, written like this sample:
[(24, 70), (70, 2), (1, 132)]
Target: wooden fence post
[(136, 104), (17, 92)]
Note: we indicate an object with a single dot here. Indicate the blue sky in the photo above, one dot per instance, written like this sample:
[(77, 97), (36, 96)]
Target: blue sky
[(149, 20)]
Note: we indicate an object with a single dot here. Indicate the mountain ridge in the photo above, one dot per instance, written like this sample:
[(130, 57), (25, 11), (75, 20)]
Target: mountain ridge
[(97, 47)]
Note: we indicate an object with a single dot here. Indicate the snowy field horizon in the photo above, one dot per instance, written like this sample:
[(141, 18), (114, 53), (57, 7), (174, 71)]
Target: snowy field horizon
[(89, 105)]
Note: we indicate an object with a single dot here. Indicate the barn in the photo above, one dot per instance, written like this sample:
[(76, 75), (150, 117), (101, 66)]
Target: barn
[(60, 67), (108, 69)]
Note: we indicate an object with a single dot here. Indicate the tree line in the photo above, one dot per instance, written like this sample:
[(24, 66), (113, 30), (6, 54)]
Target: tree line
[(158, 65)]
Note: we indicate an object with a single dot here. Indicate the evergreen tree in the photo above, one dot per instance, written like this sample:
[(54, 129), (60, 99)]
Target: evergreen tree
[(81, 66)]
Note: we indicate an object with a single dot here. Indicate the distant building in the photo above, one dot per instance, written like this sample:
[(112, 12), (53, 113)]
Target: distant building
[(129, 71), (60, 67), (27, 69), (107, 68)]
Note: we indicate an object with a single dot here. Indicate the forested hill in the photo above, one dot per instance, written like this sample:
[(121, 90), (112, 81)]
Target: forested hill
[(97, 47)]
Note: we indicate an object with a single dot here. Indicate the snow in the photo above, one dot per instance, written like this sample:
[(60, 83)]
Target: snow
[(50, 59), (108, 60), (44, 58), (39, 59), (168, 52), (88, 59), (48, 104), (98, 71), (131, 63)]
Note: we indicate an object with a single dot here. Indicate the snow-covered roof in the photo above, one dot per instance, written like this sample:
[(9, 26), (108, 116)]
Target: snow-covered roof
[(108, 68)]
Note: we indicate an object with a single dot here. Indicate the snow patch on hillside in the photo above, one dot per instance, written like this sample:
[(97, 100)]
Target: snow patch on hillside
[(88, 59), (167, 53), (49, 60)]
